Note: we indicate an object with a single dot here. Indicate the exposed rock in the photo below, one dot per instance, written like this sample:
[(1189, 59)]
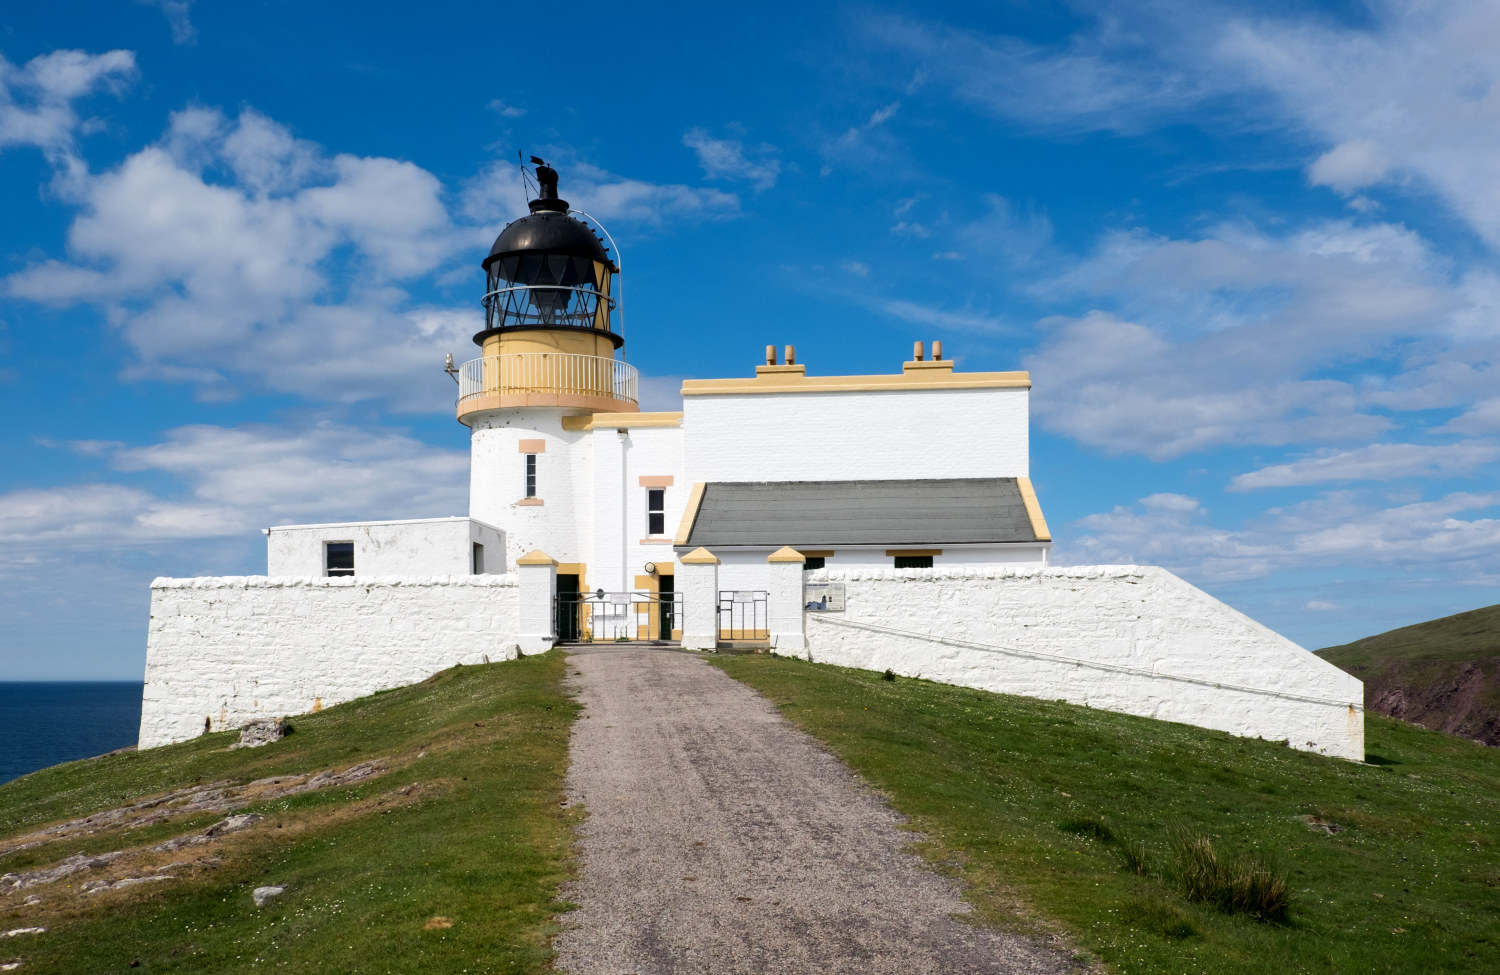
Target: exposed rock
[(233, 824), (263, 731), (264, 894), (99, 886), (76, 863), (1322, 825), (13, 933)]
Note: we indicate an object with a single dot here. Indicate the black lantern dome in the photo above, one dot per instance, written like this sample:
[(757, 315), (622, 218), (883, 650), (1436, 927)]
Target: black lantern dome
[(548, 270)]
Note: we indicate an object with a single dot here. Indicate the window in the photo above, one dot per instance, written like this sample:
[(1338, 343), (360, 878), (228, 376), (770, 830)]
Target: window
[(656, 511), (478, 559), (913, 561), (531, 475), (338, 558), (813, 562)]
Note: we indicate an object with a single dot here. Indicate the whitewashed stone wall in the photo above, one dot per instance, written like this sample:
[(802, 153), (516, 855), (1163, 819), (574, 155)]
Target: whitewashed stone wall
[(230, 649), (1134, 639)]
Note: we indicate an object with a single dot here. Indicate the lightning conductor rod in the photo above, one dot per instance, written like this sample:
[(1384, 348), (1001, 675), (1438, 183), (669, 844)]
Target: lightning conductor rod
[(619, 267)]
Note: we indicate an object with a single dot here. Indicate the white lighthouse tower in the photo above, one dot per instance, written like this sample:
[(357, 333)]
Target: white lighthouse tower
[(551, 359)]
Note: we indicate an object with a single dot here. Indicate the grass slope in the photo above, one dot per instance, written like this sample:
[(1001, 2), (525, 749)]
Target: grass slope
[(1048, 806), (1443, 674), (464, 825)]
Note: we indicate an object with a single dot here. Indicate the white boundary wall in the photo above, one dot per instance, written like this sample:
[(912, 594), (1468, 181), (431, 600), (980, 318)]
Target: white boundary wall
[(1134, 639), (234, 648)]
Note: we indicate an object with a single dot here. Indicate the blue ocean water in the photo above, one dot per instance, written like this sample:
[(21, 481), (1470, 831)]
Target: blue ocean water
[(42, 724)]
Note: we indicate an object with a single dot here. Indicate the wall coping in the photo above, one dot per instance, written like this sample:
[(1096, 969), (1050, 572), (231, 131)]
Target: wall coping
[(938, 574), (507, 581)]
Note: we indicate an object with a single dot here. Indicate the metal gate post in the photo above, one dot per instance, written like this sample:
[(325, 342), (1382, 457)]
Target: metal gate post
[(786, 604), (537, 580), (698, 582)]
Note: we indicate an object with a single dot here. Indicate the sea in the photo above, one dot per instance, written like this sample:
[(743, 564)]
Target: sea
[(45, 723)]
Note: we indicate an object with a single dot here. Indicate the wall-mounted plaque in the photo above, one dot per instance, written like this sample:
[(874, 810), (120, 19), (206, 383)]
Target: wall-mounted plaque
[(824, 597)]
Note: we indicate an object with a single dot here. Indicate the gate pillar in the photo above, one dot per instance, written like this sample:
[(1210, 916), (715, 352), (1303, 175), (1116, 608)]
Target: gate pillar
[(786, 603), (698, 581), (537, 580)]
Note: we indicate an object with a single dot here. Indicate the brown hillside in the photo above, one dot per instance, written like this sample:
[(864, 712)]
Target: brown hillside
[(1443, 674)]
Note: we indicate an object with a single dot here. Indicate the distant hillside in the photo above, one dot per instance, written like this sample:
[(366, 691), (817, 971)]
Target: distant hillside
[(1444, 674)]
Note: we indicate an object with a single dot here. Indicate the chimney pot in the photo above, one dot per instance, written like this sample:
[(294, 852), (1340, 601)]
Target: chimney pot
[(791, 355), (916, 351), (937, 350), (770, 355)]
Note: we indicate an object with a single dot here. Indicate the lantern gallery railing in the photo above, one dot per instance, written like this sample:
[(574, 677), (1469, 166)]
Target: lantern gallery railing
[(547, 374)]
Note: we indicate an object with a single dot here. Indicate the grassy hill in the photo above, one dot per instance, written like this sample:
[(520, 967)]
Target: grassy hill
[(441, 853), (1443, 674), (420, 830), (1093, 824)]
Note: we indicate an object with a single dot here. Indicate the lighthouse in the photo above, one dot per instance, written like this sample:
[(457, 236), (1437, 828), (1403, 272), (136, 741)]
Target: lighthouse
[(550, 353)]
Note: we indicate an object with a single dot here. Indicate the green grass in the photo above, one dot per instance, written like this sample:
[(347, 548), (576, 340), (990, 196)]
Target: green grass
[(1446, 672), (483, 841), (1463, 636), (1067, 816)]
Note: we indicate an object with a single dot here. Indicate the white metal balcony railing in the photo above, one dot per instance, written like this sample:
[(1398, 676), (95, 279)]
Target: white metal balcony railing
[(547, 373)]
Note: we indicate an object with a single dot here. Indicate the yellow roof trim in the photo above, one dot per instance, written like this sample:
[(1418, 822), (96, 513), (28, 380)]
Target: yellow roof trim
[(1033, 510), (607, 421), (536, 557), (786, 554), (915, 379), (699, 556), (912, 552), (690, 513)]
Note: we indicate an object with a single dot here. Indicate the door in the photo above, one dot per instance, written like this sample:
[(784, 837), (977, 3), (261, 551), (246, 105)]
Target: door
[(566, 620)]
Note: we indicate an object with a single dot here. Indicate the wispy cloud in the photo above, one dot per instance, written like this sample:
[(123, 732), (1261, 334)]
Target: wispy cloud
[(732, 159), (177, 14), (37, 99), (1376, 462)]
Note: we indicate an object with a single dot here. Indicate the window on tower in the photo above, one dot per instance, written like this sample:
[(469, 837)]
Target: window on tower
[(656, 511), (531, 475)]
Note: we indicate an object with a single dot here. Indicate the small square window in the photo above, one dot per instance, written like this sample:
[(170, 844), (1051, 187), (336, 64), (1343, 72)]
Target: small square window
[(813, 562), (338, 558), (478, 559), (913, 561), (656, 511), (531, 475)]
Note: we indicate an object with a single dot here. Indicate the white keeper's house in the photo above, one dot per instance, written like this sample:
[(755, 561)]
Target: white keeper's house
[(911, 540)]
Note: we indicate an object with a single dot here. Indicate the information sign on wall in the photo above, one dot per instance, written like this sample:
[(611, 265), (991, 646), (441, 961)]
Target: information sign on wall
[(824, 597)]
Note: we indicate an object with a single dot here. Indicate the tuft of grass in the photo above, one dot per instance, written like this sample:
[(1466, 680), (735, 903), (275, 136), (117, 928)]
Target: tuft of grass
[(464, 827), (1135, 856), (1156, 915), (1232, 884), (888, 675), (1412, 886), (1094, 829)]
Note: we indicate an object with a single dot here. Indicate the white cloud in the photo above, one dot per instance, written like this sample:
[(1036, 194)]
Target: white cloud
[(498, 196), (1349, 167), (176, 12), (1376, 462), (235, 480), (1411, 94), (1243, 337), (213, 280), (732, 159), (505, 110), (1332, 530), (36, 100)]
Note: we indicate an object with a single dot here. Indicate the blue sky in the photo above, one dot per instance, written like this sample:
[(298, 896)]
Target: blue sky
[(1246, 251)]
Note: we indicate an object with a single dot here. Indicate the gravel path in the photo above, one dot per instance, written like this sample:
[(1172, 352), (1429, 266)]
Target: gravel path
[(719, 838)]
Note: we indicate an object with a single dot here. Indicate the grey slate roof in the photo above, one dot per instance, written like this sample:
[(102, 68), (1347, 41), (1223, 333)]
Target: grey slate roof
[(825, 514)]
